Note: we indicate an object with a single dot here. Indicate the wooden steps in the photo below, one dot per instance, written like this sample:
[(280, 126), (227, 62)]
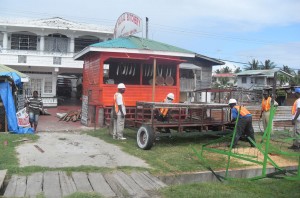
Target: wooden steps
[(60, 184)]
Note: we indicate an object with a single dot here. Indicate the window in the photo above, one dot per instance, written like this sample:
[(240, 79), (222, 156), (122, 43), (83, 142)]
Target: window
[(33, 85), (22, 59), (56, 60), (23, 42), (244, 80), (48, 85)]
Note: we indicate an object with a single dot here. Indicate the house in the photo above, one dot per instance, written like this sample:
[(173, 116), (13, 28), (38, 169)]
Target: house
[(44, 49), (224, 79), (257, 79), (148, 68)]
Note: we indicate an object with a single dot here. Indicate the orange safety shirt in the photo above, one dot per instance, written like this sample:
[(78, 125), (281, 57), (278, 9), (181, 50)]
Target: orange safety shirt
[(115, 102), (164, 111), (243, 111), (294, 107), (266, 104)]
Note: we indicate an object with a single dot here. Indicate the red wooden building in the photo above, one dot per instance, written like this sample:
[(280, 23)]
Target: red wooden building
[(134, 61)]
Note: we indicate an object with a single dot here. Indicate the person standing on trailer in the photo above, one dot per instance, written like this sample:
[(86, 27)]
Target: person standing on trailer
[(296, 121), (163, 113), (244, 125), (119, 113)]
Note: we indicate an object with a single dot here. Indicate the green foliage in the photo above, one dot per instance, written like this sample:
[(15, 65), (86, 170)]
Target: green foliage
[(268, 65), (253, 65), (237, 70), (237, 188)]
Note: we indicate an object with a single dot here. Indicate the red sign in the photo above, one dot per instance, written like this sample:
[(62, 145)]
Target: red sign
[(128, 24)]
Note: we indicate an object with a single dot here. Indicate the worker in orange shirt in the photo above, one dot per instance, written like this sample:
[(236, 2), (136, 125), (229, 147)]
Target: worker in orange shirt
[(244, 125), (163, 113), (265, 110), (296, 121)]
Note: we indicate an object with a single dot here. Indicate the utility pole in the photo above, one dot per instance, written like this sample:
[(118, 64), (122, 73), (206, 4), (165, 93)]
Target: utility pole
[(147, 27)]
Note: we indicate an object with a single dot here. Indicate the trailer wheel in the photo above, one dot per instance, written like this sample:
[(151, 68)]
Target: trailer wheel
[(145, 137)]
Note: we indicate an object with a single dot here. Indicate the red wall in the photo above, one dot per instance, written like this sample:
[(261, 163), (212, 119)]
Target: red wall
[(102, 94)]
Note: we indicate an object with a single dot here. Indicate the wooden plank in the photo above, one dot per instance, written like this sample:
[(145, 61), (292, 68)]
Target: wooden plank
[(129, 184), (34, 184), (100, 185), (81, 181), (67, 184), (154, 179), (2, 177), (115, 186), (143, 181), (51, 186), (21, 186), (11, 187)]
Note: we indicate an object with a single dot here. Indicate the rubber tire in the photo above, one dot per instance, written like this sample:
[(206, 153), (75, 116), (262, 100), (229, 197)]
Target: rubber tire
[(145, 137)]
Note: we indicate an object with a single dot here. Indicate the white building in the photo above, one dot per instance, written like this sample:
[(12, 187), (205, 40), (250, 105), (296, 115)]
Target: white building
[(43, 49)]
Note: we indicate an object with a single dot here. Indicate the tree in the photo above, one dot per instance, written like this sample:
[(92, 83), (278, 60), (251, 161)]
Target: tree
[(253, 65), (237, 70), (226, 70), (268, 65), (218, 71)]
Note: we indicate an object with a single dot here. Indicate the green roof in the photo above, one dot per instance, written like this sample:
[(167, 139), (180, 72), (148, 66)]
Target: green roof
[(134, 42), (4, 68), (268, 73)]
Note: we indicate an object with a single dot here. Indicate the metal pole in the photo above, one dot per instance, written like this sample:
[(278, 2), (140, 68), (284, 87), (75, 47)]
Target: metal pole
[(154, 79), (147, 20)]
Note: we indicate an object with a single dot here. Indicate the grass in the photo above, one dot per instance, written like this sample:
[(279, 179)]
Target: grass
[(237, 188), (173, 155)]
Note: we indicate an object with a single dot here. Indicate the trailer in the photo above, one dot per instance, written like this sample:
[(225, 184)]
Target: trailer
[(183, 118)]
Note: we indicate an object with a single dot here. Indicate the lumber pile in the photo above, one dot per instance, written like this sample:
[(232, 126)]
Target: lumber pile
[(70, 116)]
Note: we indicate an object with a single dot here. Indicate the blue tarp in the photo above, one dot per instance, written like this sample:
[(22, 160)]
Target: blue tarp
[(10, 109), (14, 76)]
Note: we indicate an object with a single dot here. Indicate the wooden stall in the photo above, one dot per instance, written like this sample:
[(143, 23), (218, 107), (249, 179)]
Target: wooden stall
[(137, 63)]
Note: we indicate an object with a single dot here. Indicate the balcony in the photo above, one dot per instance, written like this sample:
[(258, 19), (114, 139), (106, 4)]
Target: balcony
[(38, 58)]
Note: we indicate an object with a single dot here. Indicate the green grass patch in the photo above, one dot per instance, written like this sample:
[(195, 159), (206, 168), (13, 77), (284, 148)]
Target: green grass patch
[(237, 188), (170, 155)]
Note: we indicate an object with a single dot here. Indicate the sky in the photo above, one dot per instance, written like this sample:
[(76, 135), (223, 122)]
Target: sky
[(235, 31)]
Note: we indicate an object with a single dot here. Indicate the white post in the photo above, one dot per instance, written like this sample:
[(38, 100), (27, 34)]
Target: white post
[(72, 45), (42, 43), (5, 40)]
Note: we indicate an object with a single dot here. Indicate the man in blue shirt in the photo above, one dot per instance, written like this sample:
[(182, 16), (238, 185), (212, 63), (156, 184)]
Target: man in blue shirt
[(244, 125)]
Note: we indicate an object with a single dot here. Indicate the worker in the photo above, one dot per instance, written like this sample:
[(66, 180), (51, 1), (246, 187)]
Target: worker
[(265, 110), (163, 113), (119, 113), (244, 125), (296, 121)]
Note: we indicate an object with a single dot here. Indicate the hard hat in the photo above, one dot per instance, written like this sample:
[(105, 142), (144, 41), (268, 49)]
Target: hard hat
[(121, 86), (232, 101), (170, 95)]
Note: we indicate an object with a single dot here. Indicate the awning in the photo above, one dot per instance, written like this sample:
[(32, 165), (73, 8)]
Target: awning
[(24, 77), (189, 66)]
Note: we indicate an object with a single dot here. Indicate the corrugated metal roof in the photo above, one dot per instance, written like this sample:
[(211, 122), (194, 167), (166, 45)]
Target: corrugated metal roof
[(268, 73), (134, 42)]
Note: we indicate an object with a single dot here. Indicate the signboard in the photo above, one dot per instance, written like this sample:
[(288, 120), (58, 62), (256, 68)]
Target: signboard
[(20, 101), (23, 118), (84, 110), (128, 24)]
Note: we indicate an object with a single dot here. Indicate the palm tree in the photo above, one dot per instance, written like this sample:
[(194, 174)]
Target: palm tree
[(237, 70), (268, 65), (226, 70), (253, 65)]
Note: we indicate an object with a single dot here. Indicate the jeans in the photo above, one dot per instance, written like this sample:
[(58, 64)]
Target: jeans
[(33, 118)]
